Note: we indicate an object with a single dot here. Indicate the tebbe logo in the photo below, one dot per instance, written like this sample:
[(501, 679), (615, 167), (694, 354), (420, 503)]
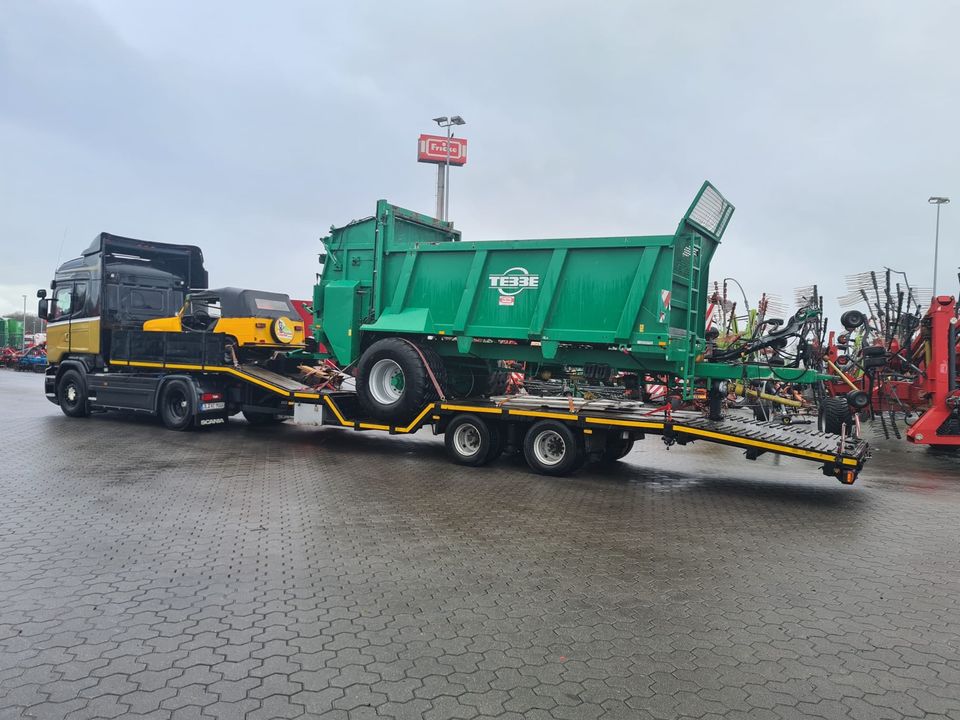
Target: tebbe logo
[(514, 281)]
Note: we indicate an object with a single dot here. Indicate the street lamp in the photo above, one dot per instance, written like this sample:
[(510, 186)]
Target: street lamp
[(23, 330), (938, 201), (443, 171)]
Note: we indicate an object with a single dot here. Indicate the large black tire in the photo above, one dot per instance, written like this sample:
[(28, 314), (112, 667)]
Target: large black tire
[(72, 394), (616, 449), (763, 410), (551, 448), (852, 319), (392, 381), (472, 441), (177, 409), (834, 414)]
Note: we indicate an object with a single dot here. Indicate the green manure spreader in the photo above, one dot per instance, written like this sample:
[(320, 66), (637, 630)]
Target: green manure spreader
[(421, 314)]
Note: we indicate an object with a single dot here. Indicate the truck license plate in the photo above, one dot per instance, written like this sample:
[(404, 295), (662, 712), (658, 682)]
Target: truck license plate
[(207, 407)]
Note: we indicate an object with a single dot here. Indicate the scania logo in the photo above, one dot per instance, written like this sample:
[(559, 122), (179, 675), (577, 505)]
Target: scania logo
[(514, 281)]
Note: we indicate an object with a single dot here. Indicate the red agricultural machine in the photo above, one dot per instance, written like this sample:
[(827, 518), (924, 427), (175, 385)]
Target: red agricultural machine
[(901, 356)]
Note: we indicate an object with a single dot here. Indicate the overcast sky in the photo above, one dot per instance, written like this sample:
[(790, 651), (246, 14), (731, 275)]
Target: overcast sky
[(248, 128)]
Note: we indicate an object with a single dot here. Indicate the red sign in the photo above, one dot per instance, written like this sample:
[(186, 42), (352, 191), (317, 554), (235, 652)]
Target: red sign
[(433, 149)]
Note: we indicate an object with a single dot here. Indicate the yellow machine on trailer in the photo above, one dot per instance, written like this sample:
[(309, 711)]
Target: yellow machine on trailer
[(253, 320)]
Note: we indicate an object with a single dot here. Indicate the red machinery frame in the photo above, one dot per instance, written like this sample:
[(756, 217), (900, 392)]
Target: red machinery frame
[(940, 424)]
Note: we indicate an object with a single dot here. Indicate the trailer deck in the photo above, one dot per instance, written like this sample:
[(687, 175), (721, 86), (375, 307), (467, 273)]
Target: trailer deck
[(842, 458)]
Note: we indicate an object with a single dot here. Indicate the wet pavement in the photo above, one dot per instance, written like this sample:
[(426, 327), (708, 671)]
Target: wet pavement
[(294, 572)]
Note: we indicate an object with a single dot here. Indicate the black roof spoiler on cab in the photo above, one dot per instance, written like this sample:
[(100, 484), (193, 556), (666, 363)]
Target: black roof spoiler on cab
[(131, 249)]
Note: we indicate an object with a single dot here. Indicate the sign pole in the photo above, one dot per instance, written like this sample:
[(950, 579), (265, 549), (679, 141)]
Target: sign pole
[(446, 182), (440, 191), (443, 153)]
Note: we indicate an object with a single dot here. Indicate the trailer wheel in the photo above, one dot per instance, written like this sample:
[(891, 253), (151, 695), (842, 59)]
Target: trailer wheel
[(616, 450), (551, 448), (176, 405), (72, 394), (392, 381), (471, 441), (834, 414)]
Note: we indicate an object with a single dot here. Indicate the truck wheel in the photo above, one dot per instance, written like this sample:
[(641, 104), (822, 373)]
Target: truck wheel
[(176, 405), (392, 381), (471, 441), (551, 448), (72, 394), (616, 450), (834, 414)]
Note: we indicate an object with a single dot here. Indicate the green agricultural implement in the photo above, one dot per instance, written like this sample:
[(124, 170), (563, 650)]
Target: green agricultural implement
[(422, 313)]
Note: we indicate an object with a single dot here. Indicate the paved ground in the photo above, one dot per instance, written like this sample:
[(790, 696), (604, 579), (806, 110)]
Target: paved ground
[(324, 573)]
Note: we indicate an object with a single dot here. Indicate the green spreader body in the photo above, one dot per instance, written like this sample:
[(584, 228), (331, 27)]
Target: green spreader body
[(635, 303)]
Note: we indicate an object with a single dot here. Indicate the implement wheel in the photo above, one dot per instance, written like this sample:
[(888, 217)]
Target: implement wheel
[(393, 384), (834, 414), (552, 448), (471, 441)]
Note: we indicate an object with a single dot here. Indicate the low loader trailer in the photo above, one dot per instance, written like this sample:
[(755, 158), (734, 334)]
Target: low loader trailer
[(426, 319), (190, 381)]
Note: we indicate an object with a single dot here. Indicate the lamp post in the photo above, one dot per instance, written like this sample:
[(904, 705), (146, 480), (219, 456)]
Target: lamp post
[(938, 201), (23, 331), (443, 171)]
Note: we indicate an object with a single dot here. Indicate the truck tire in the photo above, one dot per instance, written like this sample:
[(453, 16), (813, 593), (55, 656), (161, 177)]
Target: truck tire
[(551, 448), (392, 381), (72, 394), (834, 414), (616, 450), (471, 441), (177, 405)]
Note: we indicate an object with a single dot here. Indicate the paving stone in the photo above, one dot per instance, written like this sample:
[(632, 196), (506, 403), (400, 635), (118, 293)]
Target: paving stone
[(292, 572)]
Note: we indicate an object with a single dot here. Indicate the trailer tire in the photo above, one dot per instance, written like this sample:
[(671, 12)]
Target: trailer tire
[(551, 448), (616, 450), (177, 405), (72, 394), (471, 441), (834, 414), (392, 381)]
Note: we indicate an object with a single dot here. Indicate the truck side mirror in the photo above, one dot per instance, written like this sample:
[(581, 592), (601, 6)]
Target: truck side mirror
[(43, 308), (41, 293)]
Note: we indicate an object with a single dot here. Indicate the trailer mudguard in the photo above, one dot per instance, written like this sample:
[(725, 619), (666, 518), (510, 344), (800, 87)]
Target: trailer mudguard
[(341, 319)]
